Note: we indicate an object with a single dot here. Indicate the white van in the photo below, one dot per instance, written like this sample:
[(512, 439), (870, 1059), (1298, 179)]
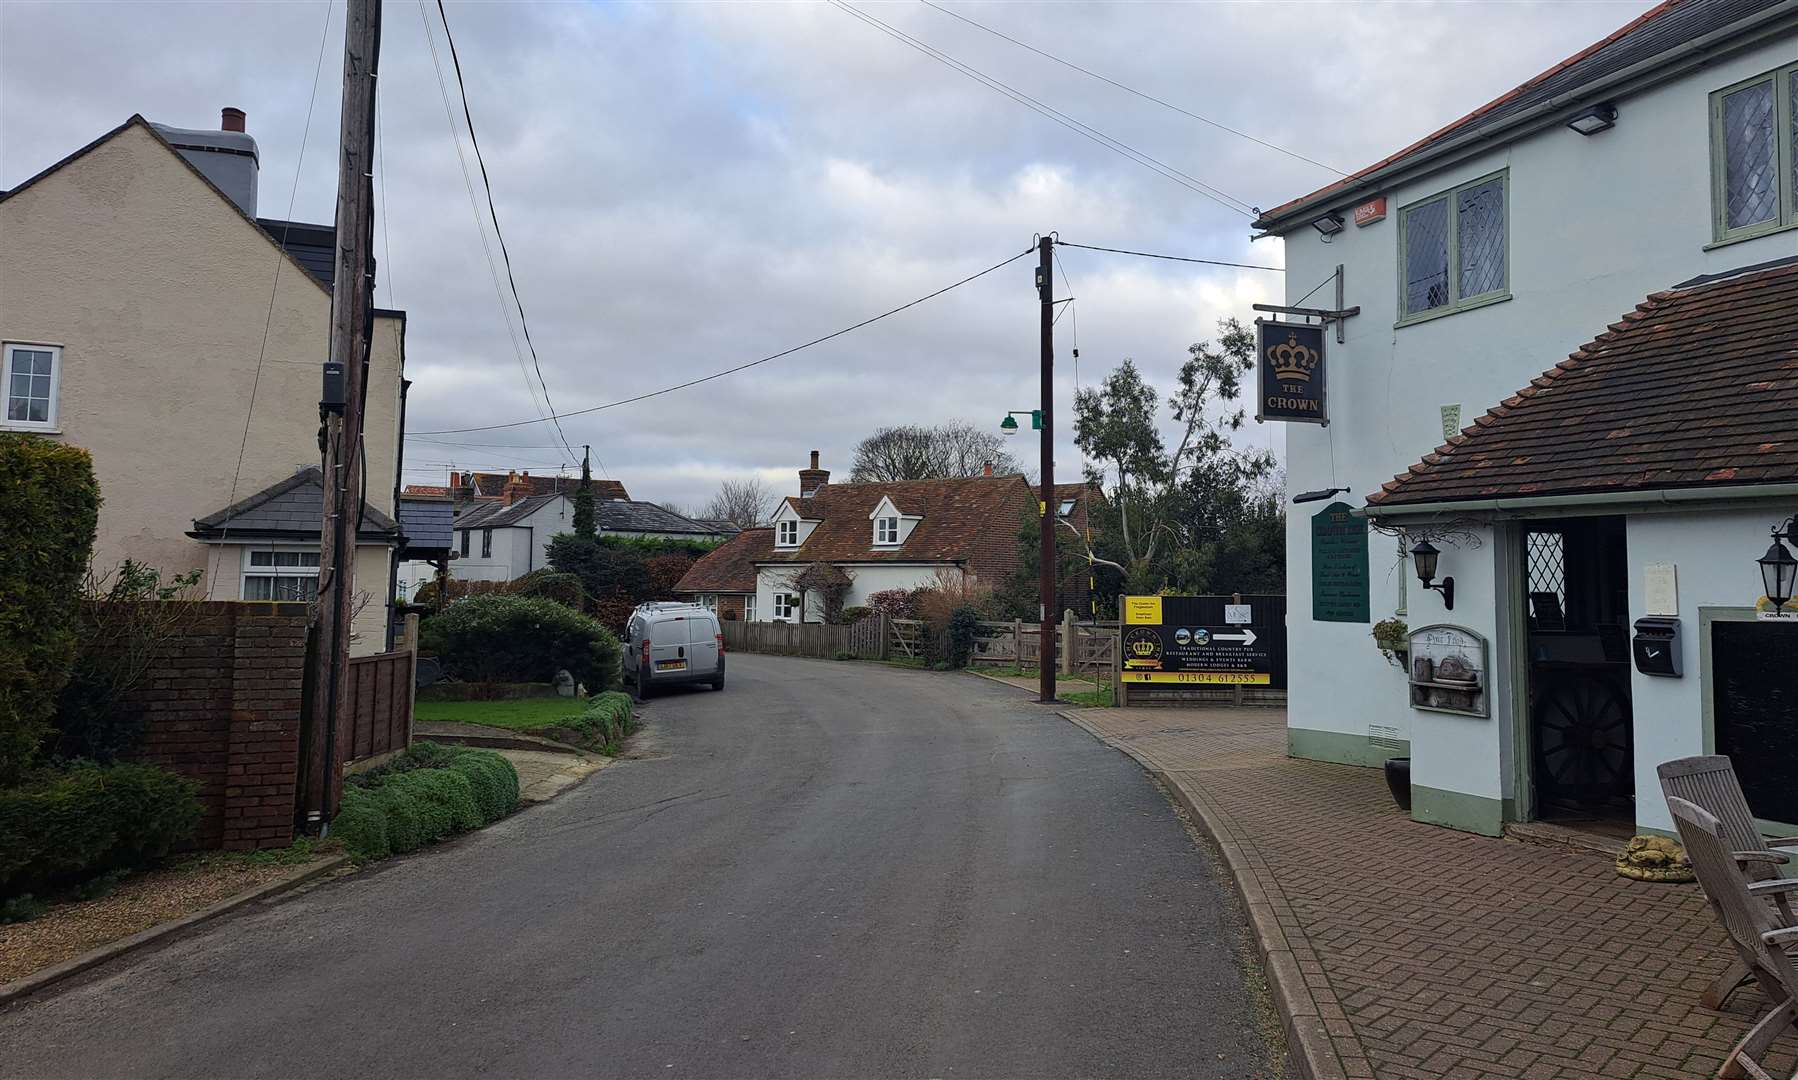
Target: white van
[(670, 643)]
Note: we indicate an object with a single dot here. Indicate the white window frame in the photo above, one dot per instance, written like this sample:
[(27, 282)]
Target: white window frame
[(249, 568), (786, 534), (6, 372), (786, 606), (749, 608), (1785, 151), (709, 601), (1456, 302), (886, 532)]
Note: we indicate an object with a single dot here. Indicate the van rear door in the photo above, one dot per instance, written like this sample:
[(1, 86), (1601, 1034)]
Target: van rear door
[(668, 644), (702, 642)]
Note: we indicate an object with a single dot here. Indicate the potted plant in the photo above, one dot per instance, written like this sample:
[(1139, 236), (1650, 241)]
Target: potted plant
[(1390, 636)]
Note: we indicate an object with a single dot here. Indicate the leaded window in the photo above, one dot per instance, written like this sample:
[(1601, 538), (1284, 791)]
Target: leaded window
[(1754, 129), (1453, 249)]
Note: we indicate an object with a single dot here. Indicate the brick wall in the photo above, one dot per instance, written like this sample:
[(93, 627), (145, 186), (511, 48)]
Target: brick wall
[(730, 606), (221, 704)]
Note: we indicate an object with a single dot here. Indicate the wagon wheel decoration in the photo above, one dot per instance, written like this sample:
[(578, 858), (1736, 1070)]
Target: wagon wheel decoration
[(1582, 726)]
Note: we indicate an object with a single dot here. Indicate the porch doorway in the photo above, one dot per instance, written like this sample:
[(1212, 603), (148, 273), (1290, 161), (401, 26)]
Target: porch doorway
[(1582, 761)]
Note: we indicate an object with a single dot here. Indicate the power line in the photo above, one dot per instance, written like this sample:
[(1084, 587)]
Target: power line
[(752, 363), (474, 207), (1173, 258), (1133, 90), (1162, 168), (474, 140), (281, 256)]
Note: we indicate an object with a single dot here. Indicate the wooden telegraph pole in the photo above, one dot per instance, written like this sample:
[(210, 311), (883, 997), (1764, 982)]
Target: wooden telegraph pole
[(1045, 287), (340, 408)]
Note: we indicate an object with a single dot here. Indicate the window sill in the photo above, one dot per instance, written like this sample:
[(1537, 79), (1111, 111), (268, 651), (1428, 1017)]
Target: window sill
[(29, 429), (1444, 312), (1744, 237)]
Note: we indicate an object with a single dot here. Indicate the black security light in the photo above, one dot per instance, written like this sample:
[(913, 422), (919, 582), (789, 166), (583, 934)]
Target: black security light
[(1424, 556), (1318, 495), (1594, 120), (1328, 225)]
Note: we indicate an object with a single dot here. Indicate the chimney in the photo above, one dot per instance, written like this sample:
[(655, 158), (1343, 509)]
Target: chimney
[(518, 486), (987, 469), (810, 480), (227, 156)]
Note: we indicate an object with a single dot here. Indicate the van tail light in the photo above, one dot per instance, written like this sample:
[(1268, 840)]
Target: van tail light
[(645, 652), (720, 644)]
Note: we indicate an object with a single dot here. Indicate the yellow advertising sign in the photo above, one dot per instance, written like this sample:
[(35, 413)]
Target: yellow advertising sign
[(1232, 678), (1142, 611)]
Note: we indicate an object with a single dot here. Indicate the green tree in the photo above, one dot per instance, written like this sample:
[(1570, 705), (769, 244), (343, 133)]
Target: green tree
[(586, 518)]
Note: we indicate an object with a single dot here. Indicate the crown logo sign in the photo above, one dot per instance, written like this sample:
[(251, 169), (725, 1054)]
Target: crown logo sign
[(1292, 360)]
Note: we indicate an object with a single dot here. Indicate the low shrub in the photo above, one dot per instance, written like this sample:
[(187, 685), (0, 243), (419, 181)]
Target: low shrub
[(564, 589), (425, 794), (505, 638), (485, 691), (849, 616), (609, 719), (893, 603), (68, 825)]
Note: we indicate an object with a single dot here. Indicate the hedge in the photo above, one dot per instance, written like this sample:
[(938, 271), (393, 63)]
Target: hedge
[(502, 638), (61, 826), (608, 719), (50, 504), (425, 794)]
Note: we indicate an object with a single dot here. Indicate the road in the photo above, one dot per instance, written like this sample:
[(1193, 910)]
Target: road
[(828, 869)]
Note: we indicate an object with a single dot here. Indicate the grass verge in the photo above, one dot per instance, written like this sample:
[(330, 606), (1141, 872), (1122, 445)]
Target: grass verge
[(515, 714)]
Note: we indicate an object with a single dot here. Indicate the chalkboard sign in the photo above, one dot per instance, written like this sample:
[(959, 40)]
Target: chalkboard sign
[(1754, 703), (1338, 565)]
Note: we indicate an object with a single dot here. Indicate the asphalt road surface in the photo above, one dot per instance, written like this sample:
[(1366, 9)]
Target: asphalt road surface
[(828, 869)]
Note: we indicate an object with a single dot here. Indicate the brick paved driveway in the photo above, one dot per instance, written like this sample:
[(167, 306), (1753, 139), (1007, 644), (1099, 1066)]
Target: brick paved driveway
[(1433, 953)]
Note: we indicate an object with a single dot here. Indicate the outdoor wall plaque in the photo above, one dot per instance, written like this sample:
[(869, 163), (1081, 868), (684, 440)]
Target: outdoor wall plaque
[(1290, 372), (1338, 565), (1449, 671)]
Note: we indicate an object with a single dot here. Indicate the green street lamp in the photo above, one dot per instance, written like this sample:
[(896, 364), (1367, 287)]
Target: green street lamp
[(1009, 425)]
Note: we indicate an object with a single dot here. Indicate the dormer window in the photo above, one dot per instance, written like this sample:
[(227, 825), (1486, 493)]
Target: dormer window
[(886, 530), (787, 534)]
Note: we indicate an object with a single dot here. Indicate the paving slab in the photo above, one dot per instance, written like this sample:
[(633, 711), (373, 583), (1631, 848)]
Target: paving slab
[(542, 775), (1398, 949)]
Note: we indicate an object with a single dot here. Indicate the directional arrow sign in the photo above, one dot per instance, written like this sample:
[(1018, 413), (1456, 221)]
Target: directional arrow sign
[(1247, 637)]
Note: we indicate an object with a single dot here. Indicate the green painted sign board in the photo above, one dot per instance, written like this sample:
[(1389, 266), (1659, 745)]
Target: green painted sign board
[(1338, 565)]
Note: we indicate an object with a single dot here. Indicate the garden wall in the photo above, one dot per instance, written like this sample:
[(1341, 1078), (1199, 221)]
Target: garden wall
[(221, 704)]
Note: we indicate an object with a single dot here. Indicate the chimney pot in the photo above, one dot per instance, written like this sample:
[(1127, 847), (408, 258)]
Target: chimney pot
[(814, 459), (987, 469), (231, 119)]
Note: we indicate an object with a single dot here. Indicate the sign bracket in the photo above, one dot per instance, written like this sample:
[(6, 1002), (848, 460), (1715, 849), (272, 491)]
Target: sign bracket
[(1327, 315)]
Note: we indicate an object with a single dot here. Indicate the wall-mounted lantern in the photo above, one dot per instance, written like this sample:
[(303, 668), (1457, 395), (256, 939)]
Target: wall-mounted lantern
[(1424, 556), (1779, 570)]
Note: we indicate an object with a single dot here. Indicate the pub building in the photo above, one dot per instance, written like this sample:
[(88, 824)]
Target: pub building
[(1542, 530)]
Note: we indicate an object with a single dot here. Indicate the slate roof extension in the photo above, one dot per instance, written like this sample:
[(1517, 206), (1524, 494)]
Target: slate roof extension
[(288, 510), (1695, 388)]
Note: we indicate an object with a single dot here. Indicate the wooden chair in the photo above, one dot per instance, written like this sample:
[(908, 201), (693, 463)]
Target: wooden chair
[(1760, 938), (1710, 781)]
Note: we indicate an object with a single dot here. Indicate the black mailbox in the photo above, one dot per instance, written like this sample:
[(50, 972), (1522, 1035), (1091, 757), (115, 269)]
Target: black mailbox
[(1656, 646)]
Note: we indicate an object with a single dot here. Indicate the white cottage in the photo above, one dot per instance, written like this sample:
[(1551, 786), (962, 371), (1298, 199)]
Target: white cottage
[(1577, 348)]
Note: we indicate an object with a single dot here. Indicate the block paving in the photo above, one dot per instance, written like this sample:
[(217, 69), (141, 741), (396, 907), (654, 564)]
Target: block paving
[(1432, 953)]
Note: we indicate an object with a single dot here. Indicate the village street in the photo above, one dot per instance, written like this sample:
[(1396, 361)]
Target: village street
[(827, 869)]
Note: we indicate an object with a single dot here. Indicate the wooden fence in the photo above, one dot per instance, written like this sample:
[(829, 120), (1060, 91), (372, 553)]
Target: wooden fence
[(1080, 648), (378, 720), (864, 640)]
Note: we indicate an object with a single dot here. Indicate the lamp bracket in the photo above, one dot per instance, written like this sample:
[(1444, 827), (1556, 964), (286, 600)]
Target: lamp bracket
[(1326, 315)]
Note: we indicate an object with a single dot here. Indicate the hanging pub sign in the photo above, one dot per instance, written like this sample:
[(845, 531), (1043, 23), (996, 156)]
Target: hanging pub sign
[(1291, 376)]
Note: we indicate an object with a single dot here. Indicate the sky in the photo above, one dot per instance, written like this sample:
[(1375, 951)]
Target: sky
[(684, 188)]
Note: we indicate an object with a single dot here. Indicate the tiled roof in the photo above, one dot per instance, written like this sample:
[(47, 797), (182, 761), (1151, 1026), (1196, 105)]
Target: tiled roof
[(973, 520), (290, 509), (722, 526), (491, 485), (494, 515), (1651, 34), (1697, 387), (729, 567), (612, 515)]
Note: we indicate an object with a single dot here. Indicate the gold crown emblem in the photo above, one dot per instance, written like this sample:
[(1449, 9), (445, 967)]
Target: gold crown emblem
[(1292, 360)]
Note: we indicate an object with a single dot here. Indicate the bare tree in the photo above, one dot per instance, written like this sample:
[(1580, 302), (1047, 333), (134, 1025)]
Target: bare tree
[(918, 452), (743, 503)]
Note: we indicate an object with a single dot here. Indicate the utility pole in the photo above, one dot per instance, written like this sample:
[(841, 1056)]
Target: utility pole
[(340, 408), (1045, 287)]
